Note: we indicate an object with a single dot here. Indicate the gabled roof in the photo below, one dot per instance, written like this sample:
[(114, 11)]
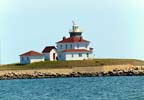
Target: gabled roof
[(31, 53), (72, 39), (48, 49), (76, 50)]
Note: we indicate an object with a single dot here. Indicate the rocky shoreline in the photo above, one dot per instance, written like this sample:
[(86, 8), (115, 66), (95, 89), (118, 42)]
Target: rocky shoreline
[(36, 74)]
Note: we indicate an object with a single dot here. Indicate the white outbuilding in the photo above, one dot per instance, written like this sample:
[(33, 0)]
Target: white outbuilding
[(50, 53), (30, 57)]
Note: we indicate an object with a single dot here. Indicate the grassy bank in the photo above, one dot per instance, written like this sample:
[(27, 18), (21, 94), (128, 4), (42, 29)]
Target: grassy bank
[(69, 64)]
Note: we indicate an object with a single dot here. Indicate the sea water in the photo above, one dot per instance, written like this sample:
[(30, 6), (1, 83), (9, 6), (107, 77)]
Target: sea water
[(86, 88)]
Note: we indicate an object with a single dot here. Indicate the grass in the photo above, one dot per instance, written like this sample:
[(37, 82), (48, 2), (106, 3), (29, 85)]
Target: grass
[(70, 64)]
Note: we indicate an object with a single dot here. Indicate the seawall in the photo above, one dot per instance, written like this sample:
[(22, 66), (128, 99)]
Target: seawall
[(111, 70), (105, 68)]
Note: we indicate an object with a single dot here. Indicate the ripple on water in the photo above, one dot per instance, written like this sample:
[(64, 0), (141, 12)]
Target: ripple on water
[(88, 88)]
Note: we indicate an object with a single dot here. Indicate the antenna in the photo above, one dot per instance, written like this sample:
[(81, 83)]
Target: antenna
[(73, 23)]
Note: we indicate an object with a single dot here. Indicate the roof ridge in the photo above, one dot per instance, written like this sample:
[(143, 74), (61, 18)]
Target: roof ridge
[(72, 39), (47, 49), (31, 53)]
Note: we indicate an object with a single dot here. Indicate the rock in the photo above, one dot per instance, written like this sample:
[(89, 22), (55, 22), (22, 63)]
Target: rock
[(36, 74)]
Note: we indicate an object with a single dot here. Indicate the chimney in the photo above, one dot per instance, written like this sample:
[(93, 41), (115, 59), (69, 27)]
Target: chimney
[(91, 49), (64, 38), (81, 38)]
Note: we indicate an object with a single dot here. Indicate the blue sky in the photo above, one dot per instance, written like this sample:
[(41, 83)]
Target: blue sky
[(114, 27)]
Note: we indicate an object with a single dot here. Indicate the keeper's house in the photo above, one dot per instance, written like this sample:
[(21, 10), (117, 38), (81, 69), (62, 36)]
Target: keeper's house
[(30, 57)]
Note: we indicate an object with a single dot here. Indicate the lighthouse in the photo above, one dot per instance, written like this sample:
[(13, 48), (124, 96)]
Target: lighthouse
[(74, 47), (75, 31)]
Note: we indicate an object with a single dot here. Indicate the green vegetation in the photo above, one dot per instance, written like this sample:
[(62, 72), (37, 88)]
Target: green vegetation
[(70, 64)]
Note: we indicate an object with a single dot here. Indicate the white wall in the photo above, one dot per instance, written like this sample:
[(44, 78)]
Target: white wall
[(81, 45), (68, 56), (78, 45), (30, 59), (77, 57), (36, 58), (51, 55)]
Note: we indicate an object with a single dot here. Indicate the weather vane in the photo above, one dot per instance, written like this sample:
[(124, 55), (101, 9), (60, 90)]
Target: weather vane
[(73, 23)]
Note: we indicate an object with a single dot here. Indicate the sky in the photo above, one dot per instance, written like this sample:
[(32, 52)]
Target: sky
[(114, 27)]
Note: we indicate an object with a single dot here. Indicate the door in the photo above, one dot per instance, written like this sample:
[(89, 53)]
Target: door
[(54, 56)]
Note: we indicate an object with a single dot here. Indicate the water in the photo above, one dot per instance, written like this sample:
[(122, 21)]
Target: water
[(88, 88)]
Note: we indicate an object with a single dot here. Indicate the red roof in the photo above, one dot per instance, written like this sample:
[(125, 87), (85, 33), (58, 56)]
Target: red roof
[(31, 53), (72, 39), (48, 49), (76, 50)]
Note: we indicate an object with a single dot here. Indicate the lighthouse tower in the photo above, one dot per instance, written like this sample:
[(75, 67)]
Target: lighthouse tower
[(74, 47), (75, 31)]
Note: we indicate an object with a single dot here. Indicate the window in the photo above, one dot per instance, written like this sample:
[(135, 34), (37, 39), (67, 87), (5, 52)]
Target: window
[(80, 54), (59, 55), (27, 58), (60, 46), (66, 46), (22, 58), (71, 46), (87, 54), (86, 46), (72, 55), (77, 45)]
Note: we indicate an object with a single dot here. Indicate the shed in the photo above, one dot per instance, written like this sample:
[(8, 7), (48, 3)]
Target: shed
[(50, 53)]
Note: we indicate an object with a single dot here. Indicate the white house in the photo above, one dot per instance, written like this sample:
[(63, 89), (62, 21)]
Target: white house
[(30, 57), (50, 53), (74, 47)]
